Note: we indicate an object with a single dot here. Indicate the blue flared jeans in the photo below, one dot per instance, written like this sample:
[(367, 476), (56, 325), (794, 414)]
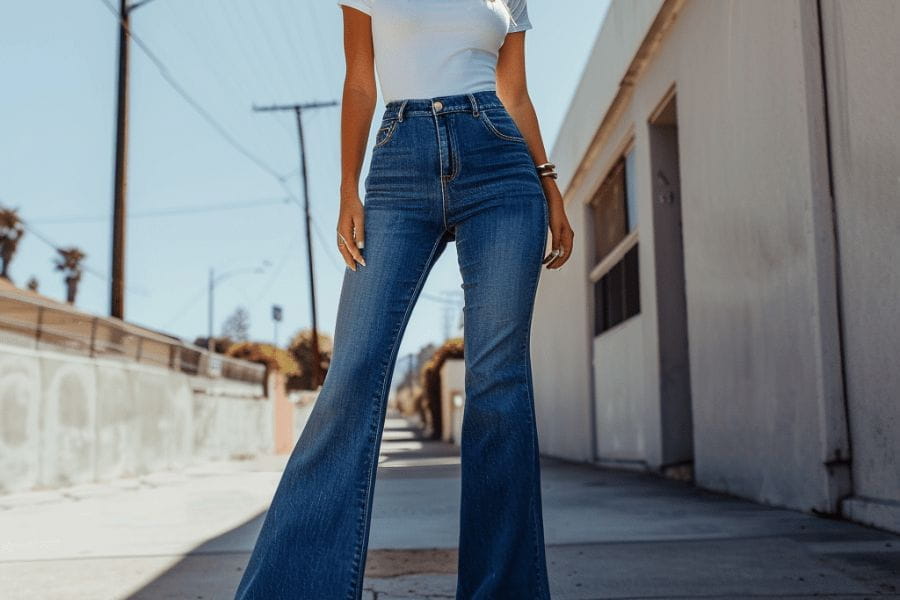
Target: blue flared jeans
[(448, 168)]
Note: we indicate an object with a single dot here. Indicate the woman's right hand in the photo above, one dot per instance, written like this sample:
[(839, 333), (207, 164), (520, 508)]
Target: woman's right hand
[(351, 230)]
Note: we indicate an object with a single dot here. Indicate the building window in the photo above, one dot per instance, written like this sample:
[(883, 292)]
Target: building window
[(615, 274), (630, 192)]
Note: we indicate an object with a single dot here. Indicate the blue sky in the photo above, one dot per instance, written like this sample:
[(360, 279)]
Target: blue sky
[(58, 65)]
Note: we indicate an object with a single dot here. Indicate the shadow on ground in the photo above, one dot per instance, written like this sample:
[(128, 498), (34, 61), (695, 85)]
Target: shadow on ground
[(610, 534)]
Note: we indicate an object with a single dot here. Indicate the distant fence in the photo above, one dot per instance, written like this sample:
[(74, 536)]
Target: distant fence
[(41, 325)]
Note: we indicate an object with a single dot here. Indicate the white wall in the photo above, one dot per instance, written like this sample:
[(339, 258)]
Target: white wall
[(862, 61), (791, 295), (620, 390), (67, 419), (764, 344), (453, 381), (562, 335)]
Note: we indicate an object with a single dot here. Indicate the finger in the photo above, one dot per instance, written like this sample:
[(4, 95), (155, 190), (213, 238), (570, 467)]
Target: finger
[(360, 233), (554, 251), (350, 245), (345, 253), (561, 259), (566, 249), (554, 262)]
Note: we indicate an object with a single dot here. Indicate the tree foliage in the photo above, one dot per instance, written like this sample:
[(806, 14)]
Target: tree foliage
[(69, 262), (301, 348), (12, 229), (237, 325), (275, 359)]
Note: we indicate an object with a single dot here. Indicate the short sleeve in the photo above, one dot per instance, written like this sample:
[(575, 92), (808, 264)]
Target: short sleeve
[(518, 10), (361, 5)]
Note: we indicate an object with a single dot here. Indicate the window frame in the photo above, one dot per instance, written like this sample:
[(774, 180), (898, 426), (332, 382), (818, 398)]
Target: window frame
[(616, 256), (617, 253)]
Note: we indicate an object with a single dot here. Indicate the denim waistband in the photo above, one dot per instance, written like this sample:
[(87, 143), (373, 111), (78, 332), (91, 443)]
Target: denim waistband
[(421, 107)]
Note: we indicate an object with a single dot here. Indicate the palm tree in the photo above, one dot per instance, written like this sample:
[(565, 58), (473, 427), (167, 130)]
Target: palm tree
[(11, 231), (69, 262)]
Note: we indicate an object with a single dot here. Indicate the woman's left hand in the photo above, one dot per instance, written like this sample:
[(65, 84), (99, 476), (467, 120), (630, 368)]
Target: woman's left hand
[(560, 230)]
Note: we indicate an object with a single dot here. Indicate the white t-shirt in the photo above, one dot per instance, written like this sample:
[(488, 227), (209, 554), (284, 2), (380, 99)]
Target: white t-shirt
[(429, 48)]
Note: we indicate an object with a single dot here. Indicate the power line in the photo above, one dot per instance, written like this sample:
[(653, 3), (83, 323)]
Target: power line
[(56, 247), (186, 307), (325, 245), (166, 212), (252, 68), (302, 57), (298, 109), (257, 63), (268, 42), (282, 261), (226, 80), (181, 91)]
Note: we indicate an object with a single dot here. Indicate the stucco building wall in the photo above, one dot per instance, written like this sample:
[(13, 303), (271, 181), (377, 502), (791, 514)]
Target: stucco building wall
[(789, 292)]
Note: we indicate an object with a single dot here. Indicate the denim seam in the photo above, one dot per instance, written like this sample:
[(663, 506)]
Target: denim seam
[(531, 419), (358, 573), (542, 585), (493, 128), (440, 163), (452, 148), (474, 103), (444, 111), (391, 129)]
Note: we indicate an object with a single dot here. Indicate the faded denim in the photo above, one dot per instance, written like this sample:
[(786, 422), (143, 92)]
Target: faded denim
[(449, 168)]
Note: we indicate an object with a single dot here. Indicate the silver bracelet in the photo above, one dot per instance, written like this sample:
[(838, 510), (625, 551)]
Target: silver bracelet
[(547, 169)]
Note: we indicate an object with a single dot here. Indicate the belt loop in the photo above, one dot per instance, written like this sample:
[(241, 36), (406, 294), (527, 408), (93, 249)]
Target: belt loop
[(400, 111), (474, 104)]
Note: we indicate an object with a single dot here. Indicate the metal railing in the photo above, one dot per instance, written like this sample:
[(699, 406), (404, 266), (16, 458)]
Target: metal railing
[(32, 322)]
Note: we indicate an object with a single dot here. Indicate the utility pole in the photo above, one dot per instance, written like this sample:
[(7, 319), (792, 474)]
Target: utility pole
[(117, 288), (298, 111)]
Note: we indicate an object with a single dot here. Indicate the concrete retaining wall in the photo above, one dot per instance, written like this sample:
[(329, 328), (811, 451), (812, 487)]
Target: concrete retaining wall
[(67, 419)]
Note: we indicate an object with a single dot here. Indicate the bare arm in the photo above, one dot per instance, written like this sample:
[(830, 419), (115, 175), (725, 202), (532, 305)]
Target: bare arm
[(512, 88), (357, 106)]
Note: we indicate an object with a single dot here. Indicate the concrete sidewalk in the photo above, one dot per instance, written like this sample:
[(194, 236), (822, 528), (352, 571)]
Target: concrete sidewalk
[(610, 534)]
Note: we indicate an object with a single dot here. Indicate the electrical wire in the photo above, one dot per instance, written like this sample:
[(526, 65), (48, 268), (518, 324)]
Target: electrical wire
[(302, 57), (327, 248), (193, 103), (85, 267), (164, 212)]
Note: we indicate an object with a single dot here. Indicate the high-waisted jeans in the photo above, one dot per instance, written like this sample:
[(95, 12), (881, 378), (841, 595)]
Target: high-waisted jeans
[(448, 168)]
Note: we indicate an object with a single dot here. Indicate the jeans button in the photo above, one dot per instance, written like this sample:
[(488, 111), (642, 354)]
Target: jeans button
[(438, 105)]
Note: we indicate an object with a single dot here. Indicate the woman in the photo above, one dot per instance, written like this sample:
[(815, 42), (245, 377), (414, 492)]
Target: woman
[(458, 156)]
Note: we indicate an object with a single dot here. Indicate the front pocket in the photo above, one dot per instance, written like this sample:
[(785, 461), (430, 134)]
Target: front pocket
[(385, 133), (502, 125)]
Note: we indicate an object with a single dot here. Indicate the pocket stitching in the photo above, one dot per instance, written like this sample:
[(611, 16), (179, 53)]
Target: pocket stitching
[(390, 133), (493, 128)]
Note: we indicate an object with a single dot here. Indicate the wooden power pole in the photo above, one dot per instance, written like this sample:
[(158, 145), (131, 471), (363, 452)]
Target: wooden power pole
[(117, 292), (117, 287), (298, 111)]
